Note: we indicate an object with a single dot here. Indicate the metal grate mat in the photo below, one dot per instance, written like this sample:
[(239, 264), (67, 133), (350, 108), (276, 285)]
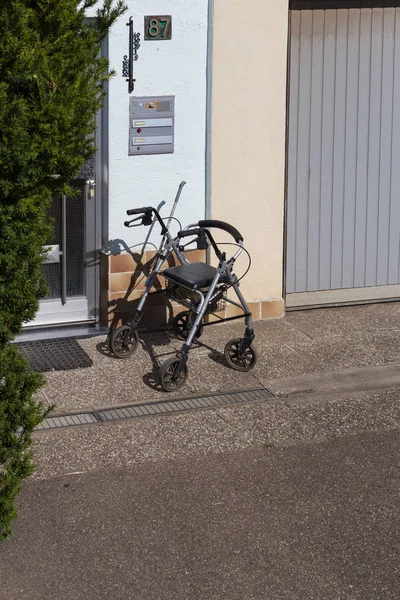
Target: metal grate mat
[(55, 355)]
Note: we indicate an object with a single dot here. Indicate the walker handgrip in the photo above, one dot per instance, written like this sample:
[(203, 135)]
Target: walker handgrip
[(224, 226), (139, 211), (188, 232)]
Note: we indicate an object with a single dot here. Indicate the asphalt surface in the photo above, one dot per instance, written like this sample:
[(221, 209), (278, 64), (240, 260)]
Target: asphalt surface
[(309, 521)]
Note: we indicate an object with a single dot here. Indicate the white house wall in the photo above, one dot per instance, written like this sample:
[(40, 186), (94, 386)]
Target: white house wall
[(174, 67)]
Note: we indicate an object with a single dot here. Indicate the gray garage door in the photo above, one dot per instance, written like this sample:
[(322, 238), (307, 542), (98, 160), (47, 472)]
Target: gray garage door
[(343, 206)]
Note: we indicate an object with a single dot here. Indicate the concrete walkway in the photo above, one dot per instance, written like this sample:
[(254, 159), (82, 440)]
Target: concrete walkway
[(304, 343), (333, 371)]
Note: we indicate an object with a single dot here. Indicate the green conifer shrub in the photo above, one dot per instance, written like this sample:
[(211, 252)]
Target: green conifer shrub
[(52, 80)]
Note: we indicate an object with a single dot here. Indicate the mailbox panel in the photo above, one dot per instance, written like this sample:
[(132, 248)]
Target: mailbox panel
[(151, 125)]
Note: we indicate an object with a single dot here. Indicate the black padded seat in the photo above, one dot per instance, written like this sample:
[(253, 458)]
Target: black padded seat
[(193, 275)]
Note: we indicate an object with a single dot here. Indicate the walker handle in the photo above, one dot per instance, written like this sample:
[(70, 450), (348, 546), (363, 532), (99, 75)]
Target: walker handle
[(188, 232), (224, 226), (139, 211)]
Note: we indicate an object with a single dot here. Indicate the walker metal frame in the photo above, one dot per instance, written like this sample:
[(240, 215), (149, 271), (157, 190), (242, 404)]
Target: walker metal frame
[(199, 287)]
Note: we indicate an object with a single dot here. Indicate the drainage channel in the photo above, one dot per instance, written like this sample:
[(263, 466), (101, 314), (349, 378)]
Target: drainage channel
[(108, 415)]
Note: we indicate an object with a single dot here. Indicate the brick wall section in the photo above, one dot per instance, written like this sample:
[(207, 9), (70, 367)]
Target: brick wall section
[(123, 278)]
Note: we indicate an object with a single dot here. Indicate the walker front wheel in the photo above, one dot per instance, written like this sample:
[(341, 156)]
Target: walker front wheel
[(239, 358), (170, 379), (123, 341)]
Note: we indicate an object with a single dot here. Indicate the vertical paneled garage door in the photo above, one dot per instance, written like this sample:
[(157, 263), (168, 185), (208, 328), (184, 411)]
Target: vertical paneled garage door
[(343, 205)]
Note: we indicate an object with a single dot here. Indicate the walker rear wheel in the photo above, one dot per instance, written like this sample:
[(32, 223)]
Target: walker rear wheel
[(183, 323), (170, 379), (123, 342), (240, 359)]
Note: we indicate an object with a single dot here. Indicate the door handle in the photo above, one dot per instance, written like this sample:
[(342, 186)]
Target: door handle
[(91, 186), (64, 249)]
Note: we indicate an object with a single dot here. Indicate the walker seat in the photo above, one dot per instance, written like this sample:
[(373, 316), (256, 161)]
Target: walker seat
[(193, 275)]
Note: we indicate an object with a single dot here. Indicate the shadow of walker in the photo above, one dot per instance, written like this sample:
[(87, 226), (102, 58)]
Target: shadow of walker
[(158, 311)]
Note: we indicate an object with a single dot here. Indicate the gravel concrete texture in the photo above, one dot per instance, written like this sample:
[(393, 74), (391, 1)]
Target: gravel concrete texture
[(209, 373), (305, 342), (346, 321), (281, 422), (327, 351), (148, 439), (111, 381), (306, 522), (316, 417), (386, 376)]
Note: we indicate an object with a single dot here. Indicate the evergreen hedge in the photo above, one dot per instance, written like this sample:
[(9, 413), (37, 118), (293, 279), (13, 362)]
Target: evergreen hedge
[(51, 86)]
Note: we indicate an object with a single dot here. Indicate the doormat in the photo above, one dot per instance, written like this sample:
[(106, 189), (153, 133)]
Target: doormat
[(55, 355)]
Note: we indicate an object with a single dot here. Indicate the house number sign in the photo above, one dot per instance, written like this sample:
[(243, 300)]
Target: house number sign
[(158, 27)]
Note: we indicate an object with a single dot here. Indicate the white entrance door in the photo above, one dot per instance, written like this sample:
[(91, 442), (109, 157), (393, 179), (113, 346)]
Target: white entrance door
[(68, 268)]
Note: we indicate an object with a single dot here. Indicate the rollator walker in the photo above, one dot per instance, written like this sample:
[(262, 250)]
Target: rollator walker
[(201, 288)]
